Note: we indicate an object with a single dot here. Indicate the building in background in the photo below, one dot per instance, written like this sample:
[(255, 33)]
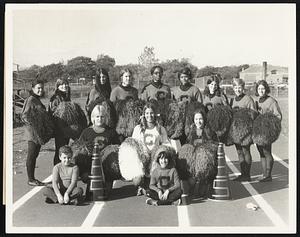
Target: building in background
[(274, 75)]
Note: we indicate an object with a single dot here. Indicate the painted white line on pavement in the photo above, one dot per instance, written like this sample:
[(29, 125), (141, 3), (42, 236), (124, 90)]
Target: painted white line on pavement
[(30, 194), (93, 214), (183, 217), (281, 161), (262, 203)]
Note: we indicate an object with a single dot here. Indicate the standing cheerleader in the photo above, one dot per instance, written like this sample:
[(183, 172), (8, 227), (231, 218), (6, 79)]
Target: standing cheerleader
[(156, 89), (32, 103), (125, 90), (241, 100), (213, 94), (186, 90), (62, 93), (266, 104), (101, 90)]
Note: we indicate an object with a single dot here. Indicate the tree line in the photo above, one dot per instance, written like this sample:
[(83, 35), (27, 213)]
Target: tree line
[(85, 67)]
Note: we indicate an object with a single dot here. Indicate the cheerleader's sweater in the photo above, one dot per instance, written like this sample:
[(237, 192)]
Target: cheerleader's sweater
[(192, 93), (268, 104), (122, 93), (151, 91), (244, 101)]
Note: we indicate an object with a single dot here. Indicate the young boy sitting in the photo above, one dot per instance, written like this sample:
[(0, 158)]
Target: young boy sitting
[(64, 188), (164, 184)]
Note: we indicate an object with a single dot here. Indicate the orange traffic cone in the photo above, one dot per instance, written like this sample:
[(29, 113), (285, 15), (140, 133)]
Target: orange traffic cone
[(221, 190), (97, 186)]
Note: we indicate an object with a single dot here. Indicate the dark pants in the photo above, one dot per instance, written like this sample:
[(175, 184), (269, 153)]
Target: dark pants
[(173, 196), (32, 154), (59, 142), (245, 159), (267, 159), (49, 193)]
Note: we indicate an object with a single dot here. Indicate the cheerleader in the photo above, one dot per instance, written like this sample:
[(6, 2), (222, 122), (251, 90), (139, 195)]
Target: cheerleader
[(62, 93), (213, 94), (266, 103), (101, 90), (156, 89), (186, 90), (125, 90), (33, 101), (241, 100)]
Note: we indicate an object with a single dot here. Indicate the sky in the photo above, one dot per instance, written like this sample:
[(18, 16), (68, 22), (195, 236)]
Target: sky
[(207, 34)]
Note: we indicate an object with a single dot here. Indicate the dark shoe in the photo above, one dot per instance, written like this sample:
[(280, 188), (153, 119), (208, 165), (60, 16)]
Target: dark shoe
[(266, 179), (49, 200), (242, 178), (239, 178), (35, 183)]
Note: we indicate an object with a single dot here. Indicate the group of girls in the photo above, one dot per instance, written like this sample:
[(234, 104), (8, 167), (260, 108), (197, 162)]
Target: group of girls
[(149, 131)]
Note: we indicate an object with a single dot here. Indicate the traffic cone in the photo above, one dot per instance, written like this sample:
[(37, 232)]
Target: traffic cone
[(97, 180), (221, 190)]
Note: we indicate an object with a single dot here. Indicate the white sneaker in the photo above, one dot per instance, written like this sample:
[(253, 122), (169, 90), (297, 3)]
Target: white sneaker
[(177, 202), (152, 202)]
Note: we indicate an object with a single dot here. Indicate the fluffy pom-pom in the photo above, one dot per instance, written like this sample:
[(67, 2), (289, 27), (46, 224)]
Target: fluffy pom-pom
[(82, 157), (266, 129), (206, 162), (156, 151), (186, 157), (133, 158), (240, 131), (219, 119), (175, 119), (110, 162), (189, 119), (69, 119), (161, 107), (41, 124), (129, 113), (198, 162)]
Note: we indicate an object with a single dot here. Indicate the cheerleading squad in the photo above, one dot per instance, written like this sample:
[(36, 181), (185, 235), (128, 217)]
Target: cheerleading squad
[(162, 140)]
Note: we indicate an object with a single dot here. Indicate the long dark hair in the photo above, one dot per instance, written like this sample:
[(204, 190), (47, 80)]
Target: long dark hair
[(103, 89), (67, 95), (143, 122), (216, 78), (266, 86)]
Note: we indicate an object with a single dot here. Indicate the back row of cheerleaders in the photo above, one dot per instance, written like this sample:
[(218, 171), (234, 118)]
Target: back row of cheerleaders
[(180, 117)]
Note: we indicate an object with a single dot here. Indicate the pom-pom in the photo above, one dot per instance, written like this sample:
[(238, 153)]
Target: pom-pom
[(219, 119), (110, 162), (186, 157), (156, 151), (266, 129), (161, 107), (206, 162), (129, 113), (69, 119), (82, 157), (133, 159), (41, 124), (198, 162), (175, 119), (240, 131), (189, 119)]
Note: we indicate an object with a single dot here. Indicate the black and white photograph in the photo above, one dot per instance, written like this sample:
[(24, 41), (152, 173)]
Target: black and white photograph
[(150, 118)]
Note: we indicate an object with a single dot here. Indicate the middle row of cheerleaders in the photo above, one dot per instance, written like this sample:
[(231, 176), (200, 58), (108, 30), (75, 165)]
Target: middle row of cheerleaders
[(155, 119)]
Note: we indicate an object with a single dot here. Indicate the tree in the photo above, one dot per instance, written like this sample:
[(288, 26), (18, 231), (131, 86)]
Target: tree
[(52, 72), (147, 58), (29, 73), (105, 61), (81, 67)]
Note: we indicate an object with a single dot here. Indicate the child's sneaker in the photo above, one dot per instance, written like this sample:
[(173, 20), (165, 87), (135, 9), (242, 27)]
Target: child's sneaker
[(48, 200), (152, 202), (177, 202)]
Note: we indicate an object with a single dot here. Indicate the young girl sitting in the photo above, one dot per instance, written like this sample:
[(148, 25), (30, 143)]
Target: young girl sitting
[(164, 184)]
